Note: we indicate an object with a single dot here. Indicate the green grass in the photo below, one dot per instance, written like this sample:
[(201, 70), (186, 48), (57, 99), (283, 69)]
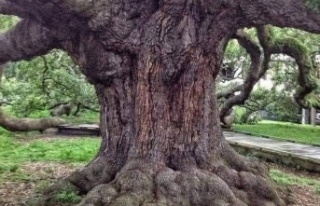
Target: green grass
[(85, 117), (67, 197), (288, 131), (286, 179), (59, 150), (13, 153)]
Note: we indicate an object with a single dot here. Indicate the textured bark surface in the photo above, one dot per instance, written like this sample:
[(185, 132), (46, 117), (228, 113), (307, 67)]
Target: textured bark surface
[(154, 65)]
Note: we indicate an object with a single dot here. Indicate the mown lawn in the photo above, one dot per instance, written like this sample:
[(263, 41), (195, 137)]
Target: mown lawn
[(288, 131)]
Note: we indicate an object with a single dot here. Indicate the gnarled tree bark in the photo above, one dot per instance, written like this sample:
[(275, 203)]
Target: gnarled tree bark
[(154, 65)]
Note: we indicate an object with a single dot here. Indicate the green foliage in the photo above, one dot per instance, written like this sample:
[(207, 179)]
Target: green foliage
[(236, 57), (86, 117), (286, 131), (31, 87), (313, 5), (7, 22), (8, 168), (67, 197), (283, 108), (245, 116), (56, 150), (283, 71), (6, 134)]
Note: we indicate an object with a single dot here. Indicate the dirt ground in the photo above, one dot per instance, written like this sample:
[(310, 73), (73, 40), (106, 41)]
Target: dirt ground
[(37, 176), (298, 195), (31, 179)]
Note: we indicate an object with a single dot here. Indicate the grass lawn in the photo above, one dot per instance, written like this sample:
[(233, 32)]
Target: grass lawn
[(15, 152), (286, 179), (59, 150), (287, 131), (28, 166)]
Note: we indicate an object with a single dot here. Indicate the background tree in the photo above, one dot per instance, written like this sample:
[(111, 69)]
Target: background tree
[(46, 83), (23, 124), (154, 66), (292, 65), (32, 88)]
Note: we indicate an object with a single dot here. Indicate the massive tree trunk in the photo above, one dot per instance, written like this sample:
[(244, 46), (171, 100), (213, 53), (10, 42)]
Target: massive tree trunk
[(154, 65), (163, 145), (161, 138)]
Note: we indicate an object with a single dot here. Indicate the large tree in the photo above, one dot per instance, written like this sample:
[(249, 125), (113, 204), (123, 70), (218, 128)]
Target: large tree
[(154, 64)]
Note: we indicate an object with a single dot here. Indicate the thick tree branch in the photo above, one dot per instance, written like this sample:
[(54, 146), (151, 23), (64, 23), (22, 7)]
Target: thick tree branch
[(8, 8), (271, 45), (295, 49), (230, 92), (256, 71), (27, 124), (58, 15), (26, 40), (282, 13)]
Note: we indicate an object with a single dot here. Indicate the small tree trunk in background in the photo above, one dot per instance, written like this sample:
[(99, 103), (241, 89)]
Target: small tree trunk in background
[(313, 115), (304, 117), (1, 71)]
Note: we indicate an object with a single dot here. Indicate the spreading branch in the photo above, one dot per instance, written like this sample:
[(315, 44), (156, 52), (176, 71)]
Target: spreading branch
[(259, 66), (254, 74), (283, 13), (230, 92), (295, 49), (8, 7), (58, 14), (26, 40)]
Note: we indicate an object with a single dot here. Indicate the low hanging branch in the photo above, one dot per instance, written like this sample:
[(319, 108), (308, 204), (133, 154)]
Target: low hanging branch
[(295, 49), (256, 71), (259, 66), (26, 40), (27, 124), (230, 92)]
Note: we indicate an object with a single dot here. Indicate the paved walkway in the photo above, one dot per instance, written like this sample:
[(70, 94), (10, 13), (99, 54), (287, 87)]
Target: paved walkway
[(307, 153), (294, 154)]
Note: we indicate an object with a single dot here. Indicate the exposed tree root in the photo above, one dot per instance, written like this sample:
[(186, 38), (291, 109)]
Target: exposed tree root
[(150, 184), (224, 179), (141, 183)]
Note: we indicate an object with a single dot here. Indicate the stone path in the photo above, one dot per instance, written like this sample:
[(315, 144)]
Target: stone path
[(288, 153), (302, 155), (79, 129)]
